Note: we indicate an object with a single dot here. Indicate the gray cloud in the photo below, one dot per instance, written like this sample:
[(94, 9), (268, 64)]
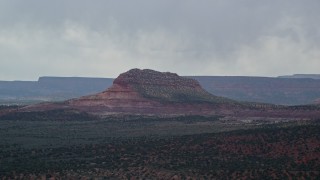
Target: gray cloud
[(208, 37)]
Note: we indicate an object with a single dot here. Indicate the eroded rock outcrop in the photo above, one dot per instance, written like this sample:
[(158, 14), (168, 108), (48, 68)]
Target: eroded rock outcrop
[(151, 92)]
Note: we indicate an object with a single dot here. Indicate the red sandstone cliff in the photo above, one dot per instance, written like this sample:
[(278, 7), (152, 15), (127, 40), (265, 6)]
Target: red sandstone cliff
[(151, 92)]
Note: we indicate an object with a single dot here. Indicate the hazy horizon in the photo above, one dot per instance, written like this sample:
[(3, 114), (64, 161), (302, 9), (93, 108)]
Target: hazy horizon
[(103, 38), (55, 76)]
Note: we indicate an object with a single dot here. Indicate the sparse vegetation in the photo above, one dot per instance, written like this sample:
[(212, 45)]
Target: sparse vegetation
[(116, 135), (151, 148), (7, 107), (54, 115)]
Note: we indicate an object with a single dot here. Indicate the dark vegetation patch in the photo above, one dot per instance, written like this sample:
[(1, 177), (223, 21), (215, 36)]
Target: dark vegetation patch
[(272, 153), (305, 107), (152, 119), (8, 107), (52, 115)]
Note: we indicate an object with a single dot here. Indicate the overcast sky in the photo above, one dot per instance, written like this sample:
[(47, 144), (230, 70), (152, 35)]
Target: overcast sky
[(102, 38)]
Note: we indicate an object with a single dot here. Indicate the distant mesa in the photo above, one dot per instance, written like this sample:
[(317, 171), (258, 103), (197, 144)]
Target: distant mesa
[(286, 90), (309, 76), (50, 89), (151, 93)]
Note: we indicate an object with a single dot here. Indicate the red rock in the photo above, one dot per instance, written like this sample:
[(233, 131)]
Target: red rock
[(150, 92)]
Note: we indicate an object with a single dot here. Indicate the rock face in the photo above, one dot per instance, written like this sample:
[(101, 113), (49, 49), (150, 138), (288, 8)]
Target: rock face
[(151, 92)]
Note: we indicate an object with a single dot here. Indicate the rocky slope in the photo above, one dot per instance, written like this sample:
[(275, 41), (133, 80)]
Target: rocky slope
[(151, 92)]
